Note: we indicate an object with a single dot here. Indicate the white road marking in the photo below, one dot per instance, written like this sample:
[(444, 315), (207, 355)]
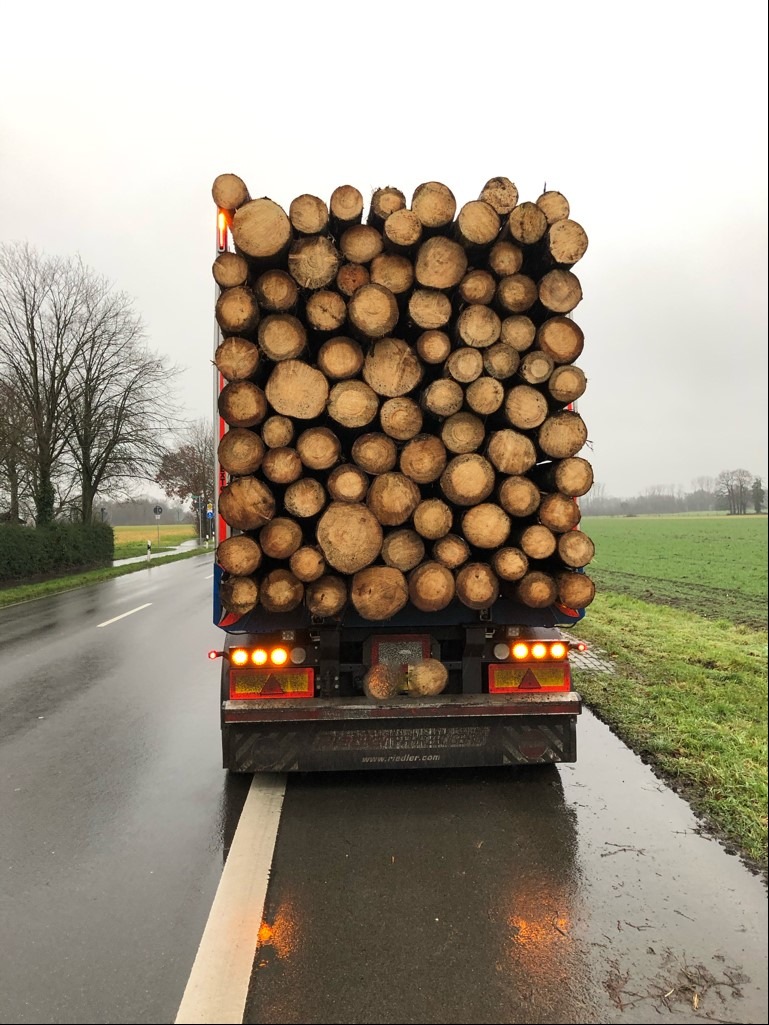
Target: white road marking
[(217, 988), (116, 618), (209, 577)]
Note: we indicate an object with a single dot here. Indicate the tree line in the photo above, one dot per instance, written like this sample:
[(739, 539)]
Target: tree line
[(736, 492)]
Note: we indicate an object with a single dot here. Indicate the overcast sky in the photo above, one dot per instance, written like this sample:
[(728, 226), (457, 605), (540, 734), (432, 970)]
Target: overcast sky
[(651, 119)]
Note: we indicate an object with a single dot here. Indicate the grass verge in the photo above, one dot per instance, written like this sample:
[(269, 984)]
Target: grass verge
[(28, 592), (689, 696)]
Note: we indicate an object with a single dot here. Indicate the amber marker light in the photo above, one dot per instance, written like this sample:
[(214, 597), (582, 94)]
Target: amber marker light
[(279, 657), (259, 657), (239, 657), (538, 650), (221, 231), (558, 650), (520, 650)]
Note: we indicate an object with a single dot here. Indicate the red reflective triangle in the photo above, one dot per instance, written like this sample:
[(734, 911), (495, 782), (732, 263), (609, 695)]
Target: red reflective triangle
[(271, 686), (530, 681)]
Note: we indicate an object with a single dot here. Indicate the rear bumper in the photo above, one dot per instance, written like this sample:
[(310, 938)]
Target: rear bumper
[(453, 730)]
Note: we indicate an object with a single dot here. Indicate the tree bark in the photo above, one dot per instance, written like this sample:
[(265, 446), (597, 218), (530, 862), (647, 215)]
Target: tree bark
[(423, 459), (559, 512), (525, 407), (307, 564), (486, 525), (297, 390), (462, 433), (519, 496), (477, 225), (246, 503), (554, 206), (352, 403), (575, 590), (229, 192), (402, 231), (477, 585), (375, 453), (562, 435), (465, 364), (361, 243), (282, 336), (239, 555), (308, 215), (262, 231), (536, 589), (384, 202), (237, 311), (347, 483), (240, 452), (327, 596), (239, 595), (340, 358), (304, 498), (431, 587), (443, 397), (313, 262), (575, 549), (478, 326), (237, 359), (350, 277), (392, 271), (440, 263), (561, 339), (536, 541), (485, 396), (501, 195), (478, 286), (572, 476), (468, 479), (404, 549), (392, 498), (509, 563), (230, 270), (346, 208), (282, 465), (527, 224), (350, 536), (325, 311), (536, 367), (451, 551), (401, 418), (505, 258), (379, 592), (433, 347), (281, 591), (566, 384), (560, 291), (280, 538), (501, 360), (429, 309), (392, 368), (519, 332), (434, 204), (433, 519), (277, 432), (516, 293), (276, 291), (319, 448), (373, 311), (242, 404)]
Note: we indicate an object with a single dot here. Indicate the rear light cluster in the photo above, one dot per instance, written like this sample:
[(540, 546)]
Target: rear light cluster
[(539, 651), (263, 656)]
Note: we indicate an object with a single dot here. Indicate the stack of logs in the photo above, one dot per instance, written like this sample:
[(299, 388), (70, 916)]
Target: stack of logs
[(399, 400)]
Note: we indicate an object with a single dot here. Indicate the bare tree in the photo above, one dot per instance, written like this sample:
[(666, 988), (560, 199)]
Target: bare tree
[(733, 488), (15, 463), (188, 470)]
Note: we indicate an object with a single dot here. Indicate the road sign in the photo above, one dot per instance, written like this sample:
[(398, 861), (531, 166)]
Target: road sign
[(158, 510), (210, 514), (210, 508)]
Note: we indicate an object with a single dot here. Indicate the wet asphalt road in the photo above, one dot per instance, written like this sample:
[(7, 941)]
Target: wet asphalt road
[(584, 894)]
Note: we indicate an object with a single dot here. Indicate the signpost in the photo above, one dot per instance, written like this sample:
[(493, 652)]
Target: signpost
[(158, 511), (210, 519)]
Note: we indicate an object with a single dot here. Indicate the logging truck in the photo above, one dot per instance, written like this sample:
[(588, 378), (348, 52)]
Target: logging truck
[(396, 517)]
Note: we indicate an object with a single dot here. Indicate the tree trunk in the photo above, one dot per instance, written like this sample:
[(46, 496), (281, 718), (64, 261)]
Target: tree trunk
[(572, 476), (519, 496), (477, 225), (276, 291), (350, 536), (561, 339), (536, 541), (485, 396), (327, 596), (501, 195), (527, 224), (379, 592), (403, 549), (423, 459), (518, 331), (429, 309), (401, 418), (282, 465), (242, 404), (575, 590), (392, 368), (304, 498), (440, 263), (361, 243), (392, 498), (375, 453), (297, 390), (564, 244), (510, 563), (350, 277), (486, 525), (505, 258), (237, 311), (373, 311), (282, 336), (566, 384), (262, 231), (239, 595), (536, 589), (559, 512), (478, 326), (443, 398), (239, 555), (501, 360), (246, 503), (340, 358), (516, 293), (281, 591), (465, 364), (352, 403), (434, 204), (384, 202), (240, 451), (477, 585), (325, 311), (392, 271), (277, 432), (347, 483), (536, 367), (451, 551), (562, 435), (383, 682), (229, 192), (280, 538), (319, 448), (511, 452), (313, 262), (346, 207), (468, 479), (428, 678), (308, 215), (525, 407), (307, 564), (402, 231), (575, 549), (560, 291), (433, 518), (230, 270), (478, 286), (237, 359), (433, 347), (462, 433), (554, 206), (431, 587)]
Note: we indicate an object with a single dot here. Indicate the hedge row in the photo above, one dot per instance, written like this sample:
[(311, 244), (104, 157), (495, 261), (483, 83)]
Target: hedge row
[(60, 548)]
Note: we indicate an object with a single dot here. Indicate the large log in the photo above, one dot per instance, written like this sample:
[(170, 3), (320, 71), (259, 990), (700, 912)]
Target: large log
[(565, 243), (240, 451), (347, 483), (516, 293), (501, 194), (525, 407), (375, 453), (443, 397), (404, 549), (423, 459), (566, 384), (477, 225), (230, 270), (401, 418), (536, 589), (485, 396), (429, 309), (239, 595), (277, 431), (373, 311), (352, 403), (465, 364), (561, 339), (392, 368), (536, 367), (451, 551), (350, 536), (519, 496), (434, 204), (261, 230), (575, 590), (361, 243), (537, 541), (308, 215), (559, 512), (478, 326), (433, 347), (242, 404), (346, 208), (393, 271), (572, 476), (575, 549), (246, 503), (511, 452), (392, 498), (229, 191), (326, 597), (379, 592), (560, 291), (468, 479), (350, 277), (518, 331), (297, 390), (304, 498), (307, 564), (440, 263), (486, 525), (384, 202), (505, 258), (282, 465), (280, 538), (554, 206), (237, 311), (509, 563), (527, 224), (402, 231), (237, 359), (431, 587), (340, 358), (463, 432), (478, 286), (562, 435), (276, 291), (433, 518), (281, 591), (383, 682), (477, 585), (239, 555), (325, 310), (282, 336), (313, 262), (318, 448), (428, 678), (501, 360)]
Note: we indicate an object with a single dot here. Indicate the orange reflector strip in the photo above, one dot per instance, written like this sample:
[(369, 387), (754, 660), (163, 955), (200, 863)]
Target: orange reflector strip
[(271, 683), (527, 677)]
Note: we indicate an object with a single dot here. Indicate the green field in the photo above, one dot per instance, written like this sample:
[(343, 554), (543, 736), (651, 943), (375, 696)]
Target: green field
[(132, 541), (681, 611)]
